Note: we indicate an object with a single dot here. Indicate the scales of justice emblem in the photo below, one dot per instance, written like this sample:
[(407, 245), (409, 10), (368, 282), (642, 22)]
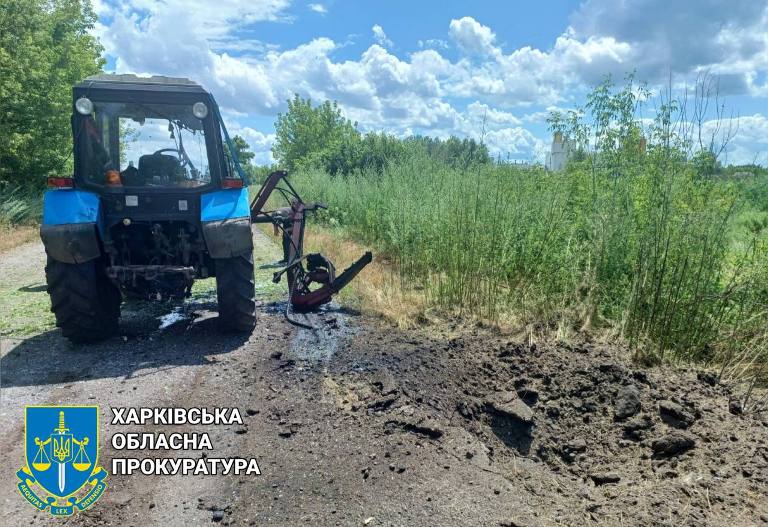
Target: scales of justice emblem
[(62, 445)]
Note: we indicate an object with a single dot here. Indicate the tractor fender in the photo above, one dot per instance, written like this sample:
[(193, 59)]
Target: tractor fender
[(228, 238), (71, 243), (226, 219), (70, 225)]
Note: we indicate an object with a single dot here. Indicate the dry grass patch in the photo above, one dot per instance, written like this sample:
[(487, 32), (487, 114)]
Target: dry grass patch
[(14, 235), (378, 289)]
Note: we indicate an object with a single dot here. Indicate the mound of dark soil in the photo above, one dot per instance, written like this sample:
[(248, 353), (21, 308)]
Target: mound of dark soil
[(581, 432)]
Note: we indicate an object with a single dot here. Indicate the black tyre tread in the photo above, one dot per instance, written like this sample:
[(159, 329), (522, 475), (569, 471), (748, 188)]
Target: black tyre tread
[(236, 293), (86, 303)]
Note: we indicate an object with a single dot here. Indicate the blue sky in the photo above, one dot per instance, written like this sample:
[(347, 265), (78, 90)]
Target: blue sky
[(490, 69)]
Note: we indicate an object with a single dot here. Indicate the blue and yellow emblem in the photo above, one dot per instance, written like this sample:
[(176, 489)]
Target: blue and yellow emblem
[(62, 453)]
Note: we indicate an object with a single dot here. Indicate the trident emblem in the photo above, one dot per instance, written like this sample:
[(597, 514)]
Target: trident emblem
[(62, 443), (77, 482)]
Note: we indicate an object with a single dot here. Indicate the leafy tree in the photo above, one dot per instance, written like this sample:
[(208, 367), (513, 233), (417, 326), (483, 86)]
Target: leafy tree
[(305, 135), (372, 152), (380, 150), (706, 164), (45, 48), (245, 157), (243, 150)]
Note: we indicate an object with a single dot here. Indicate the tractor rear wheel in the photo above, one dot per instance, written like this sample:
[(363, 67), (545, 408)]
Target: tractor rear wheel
[(236, 293), (86, 303)]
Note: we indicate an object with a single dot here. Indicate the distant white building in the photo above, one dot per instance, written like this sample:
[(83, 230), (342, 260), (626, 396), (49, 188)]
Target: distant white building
[(560, 153)]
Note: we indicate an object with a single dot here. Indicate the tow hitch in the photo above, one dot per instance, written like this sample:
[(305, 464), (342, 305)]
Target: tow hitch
[(302, 271)]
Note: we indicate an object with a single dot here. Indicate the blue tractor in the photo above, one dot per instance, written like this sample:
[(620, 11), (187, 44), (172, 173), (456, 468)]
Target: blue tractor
[(158, 199)]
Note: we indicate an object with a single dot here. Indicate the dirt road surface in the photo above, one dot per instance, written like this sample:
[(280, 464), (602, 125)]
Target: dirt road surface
[(358, 423)]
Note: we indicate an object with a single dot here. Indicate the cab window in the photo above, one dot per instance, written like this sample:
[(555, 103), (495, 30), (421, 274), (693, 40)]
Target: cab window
[(145, 145)]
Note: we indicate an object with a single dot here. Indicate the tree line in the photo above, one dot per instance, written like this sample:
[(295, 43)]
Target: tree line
[(319, 136)]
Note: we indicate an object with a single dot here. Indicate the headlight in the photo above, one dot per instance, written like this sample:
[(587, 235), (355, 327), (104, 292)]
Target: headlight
[(200, 110), (84, 106)]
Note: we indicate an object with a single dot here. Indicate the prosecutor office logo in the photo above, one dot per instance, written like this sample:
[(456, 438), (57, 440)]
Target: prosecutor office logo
[(62, 454)]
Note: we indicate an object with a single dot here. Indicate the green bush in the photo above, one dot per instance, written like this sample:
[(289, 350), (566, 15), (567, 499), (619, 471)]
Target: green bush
[(20, 205)]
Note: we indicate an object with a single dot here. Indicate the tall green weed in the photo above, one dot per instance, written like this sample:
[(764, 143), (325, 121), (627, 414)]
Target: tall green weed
[(632, 238)]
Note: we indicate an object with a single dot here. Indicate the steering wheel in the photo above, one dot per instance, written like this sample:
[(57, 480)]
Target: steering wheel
[(183, 159)]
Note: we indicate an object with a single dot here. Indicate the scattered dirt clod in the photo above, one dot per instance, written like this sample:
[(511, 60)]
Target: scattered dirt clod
[(672, 444), (627, 403)]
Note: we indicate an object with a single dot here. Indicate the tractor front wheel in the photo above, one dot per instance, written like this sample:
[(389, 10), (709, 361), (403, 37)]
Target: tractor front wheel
[(86, 303), (236, 292)]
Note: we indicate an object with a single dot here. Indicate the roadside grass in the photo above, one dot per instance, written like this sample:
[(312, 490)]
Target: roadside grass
[(266, 253), (681, 282), (19, 205), (24, 302), (14, 235), (23, 314)]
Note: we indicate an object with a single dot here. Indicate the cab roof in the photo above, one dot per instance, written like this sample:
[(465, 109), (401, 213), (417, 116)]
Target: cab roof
[(133, 82)]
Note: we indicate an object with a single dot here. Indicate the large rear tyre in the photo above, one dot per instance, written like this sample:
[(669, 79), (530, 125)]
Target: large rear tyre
[(236, 293), (86, 303)]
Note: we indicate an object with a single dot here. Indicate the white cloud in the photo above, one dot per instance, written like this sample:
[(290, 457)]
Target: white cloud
[(260, 143), (749, 143), (317, 8), (491, 117), (425, 91), (727, 38), (381, 37), (472, 37), (175, 43), (542, 115), (101, 8), (517, 143)]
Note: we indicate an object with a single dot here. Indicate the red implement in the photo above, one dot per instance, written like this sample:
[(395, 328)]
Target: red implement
[(319, 271)]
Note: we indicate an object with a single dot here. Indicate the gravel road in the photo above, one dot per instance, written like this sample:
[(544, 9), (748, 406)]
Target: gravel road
[(358, 423)]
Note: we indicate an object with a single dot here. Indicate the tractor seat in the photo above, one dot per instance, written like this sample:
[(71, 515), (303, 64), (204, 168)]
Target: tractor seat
[(159, 168)]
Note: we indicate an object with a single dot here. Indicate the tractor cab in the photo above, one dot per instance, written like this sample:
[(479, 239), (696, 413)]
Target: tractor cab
[(147, 134)]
